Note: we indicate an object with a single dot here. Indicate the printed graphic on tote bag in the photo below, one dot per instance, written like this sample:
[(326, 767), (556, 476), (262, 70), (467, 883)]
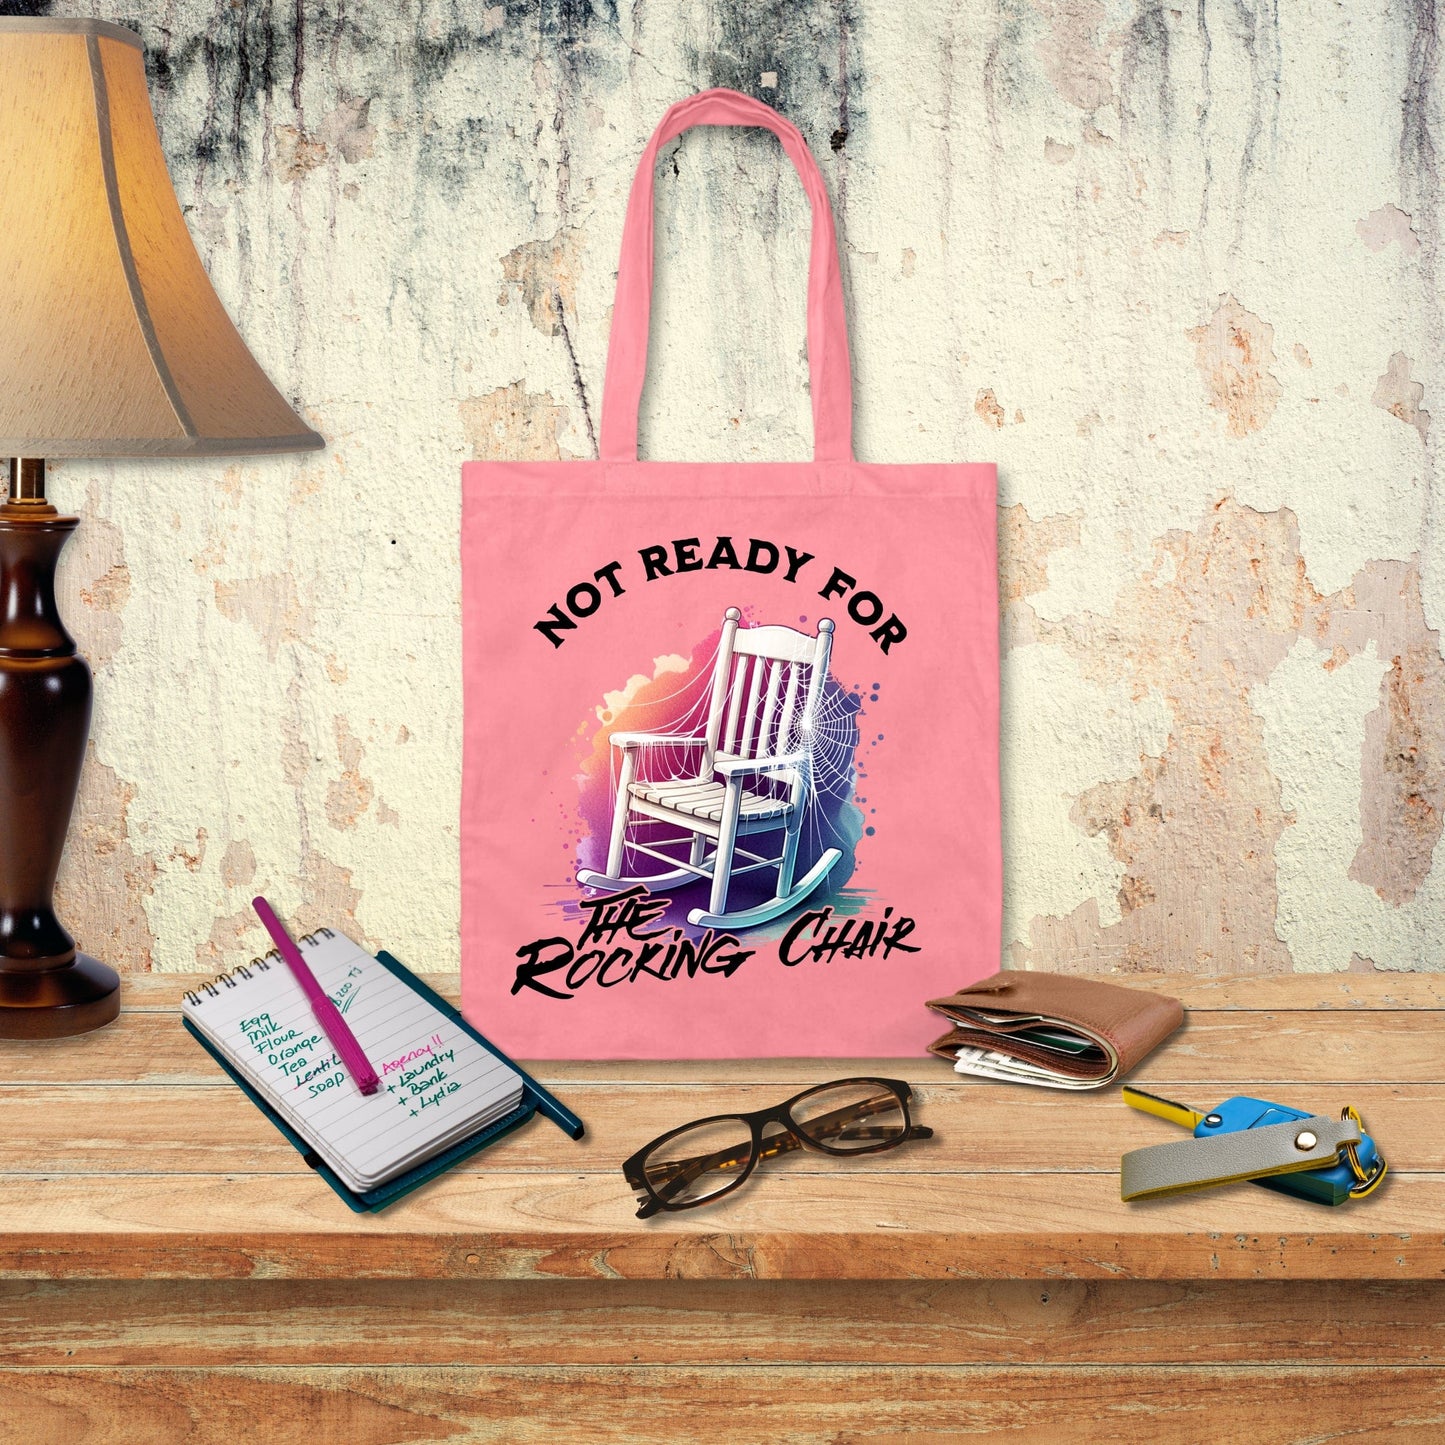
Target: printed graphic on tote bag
[(749, 774), (717, 799)]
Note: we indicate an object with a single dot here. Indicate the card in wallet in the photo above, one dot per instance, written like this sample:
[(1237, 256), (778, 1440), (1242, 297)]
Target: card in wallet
[(1059, 1031)]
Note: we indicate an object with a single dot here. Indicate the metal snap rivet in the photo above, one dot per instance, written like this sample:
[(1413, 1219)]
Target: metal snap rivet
[(1213, 1120), (1305, 1141)]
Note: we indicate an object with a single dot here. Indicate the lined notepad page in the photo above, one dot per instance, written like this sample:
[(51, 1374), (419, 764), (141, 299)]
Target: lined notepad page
[(438, 1085)]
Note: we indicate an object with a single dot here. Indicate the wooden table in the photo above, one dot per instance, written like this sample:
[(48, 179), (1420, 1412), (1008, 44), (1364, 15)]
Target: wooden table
[(170, 1271)]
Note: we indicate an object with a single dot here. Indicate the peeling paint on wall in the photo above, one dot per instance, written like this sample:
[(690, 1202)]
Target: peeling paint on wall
[(1401, 397), (1402, 775), (545, 275), (270, 604), (1197, 247), (1385, 224), (97, 579), (350, 795), (513, 422), (1234, 352), (107, 884)]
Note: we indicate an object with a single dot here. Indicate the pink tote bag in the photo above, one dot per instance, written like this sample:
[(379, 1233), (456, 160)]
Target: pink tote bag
[(730, 778)]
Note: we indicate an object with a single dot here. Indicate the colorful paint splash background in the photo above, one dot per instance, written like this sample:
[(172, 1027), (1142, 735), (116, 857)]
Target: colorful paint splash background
[(674, 701)]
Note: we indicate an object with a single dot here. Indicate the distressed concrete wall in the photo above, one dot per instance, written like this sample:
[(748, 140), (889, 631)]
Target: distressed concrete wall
[(1175, 267)]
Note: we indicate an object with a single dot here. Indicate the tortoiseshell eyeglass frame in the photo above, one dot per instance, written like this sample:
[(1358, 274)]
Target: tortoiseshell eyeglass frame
[(653, 1199)]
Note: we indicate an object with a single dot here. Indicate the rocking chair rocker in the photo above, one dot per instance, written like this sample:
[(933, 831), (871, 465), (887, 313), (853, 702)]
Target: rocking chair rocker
[(754, 781)]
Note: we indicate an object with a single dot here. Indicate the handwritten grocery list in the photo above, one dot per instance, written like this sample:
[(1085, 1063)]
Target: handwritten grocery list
[(437, 1083)]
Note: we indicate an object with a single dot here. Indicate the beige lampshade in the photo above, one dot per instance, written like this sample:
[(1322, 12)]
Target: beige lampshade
[(112, 342)]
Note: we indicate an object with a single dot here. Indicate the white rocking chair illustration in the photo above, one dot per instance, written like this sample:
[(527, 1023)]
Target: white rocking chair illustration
[(753, 774)]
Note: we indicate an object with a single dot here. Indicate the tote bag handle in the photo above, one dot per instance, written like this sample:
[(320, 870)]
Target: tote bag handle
[(829, 376)]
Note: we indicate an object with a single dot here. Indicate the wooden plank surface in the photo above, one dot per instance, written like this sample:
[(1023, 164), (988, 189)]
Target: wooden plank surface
[(170, 1270), (978, 1127), (1229, 1046), (125, 1154), (784, 1405), (45, 1324), (847, 1226), (1416, 990)]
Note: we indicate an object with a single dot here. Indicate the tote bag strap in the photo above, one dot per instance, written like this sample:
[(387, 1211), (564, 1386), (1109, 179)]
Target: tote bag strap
[(829, 375)]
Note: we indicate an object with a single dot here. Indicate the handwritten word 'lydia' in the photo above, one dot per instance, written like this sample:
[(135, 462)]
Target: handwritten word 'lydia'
[(688, 554)]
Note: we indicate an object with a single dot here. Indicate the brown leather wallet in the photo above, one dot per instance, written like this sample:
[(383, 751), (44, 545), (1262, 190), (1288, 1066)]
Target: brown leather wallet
[(1100, 1030)]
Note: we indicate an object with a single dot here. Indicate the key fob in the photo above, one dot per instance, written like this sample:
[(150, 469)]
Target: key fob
[(1330, 1185)]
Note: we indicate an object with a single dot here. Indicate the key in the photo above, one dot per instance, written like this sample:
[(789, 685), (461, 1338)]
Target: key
[(1334, 1184)]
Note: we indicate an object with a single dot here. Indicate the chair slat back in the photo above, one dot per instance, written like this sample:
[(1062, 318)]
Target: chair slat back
[(750, 711), (790, 704), (734, 686), (770, 708)]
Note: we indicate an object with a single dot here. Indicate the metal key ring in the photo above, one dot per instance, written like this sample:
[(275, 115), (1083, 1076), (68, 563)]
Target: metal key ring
[(1365, 1180)]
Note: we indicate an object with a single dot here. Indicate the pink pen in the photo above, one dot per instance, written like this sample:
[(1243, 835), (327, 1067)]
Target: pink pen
[(327, 1014)]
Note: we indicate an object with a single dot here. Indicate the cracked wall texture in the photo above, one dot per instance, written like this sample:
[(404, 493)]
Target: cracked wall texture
[(1175, 267)]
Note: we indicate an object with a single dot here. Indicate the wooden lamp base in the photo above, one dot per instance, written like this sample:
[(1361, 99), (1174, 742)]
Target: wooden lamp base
[(54, 1003), (47, 988)]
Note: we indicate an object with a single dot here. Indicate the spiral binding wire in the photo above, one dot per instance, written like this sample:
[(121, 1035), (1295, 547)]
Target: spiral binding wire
[(232, 977)]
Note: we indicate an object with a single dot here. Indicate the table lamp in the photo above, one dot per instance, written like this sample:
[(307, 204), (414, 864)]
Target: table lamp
[(112, 344)]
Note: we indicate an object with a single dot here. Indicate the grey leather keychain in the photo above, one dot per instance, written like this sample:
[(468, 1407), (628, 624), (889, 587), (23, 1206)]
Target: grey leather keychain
[(1202, 1163)]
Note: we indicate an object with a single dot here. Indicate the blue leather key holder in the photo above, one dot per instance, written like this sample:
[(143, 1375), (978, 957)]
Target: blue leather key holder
[(1289, 1150)]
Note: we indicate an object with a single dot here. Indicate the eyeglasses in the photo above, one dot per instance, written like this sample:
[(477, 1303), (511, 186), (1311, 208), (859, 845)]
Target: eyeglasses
[(703, 1161)]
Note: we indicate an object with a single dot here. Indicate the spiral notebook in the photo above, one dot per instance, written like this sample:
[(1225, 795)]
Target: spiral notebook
[(442, 1085)]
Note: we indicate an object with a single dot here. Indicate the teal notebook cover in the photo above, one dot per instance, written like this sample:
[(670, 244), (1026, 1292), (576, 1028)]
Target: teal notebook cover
[(535, 1099)]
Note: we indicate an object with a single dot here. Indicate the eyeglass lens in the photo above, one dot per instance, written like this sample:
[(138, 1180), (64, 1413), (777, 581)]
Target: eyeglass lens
[(854, 1114), (699, 1162)]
